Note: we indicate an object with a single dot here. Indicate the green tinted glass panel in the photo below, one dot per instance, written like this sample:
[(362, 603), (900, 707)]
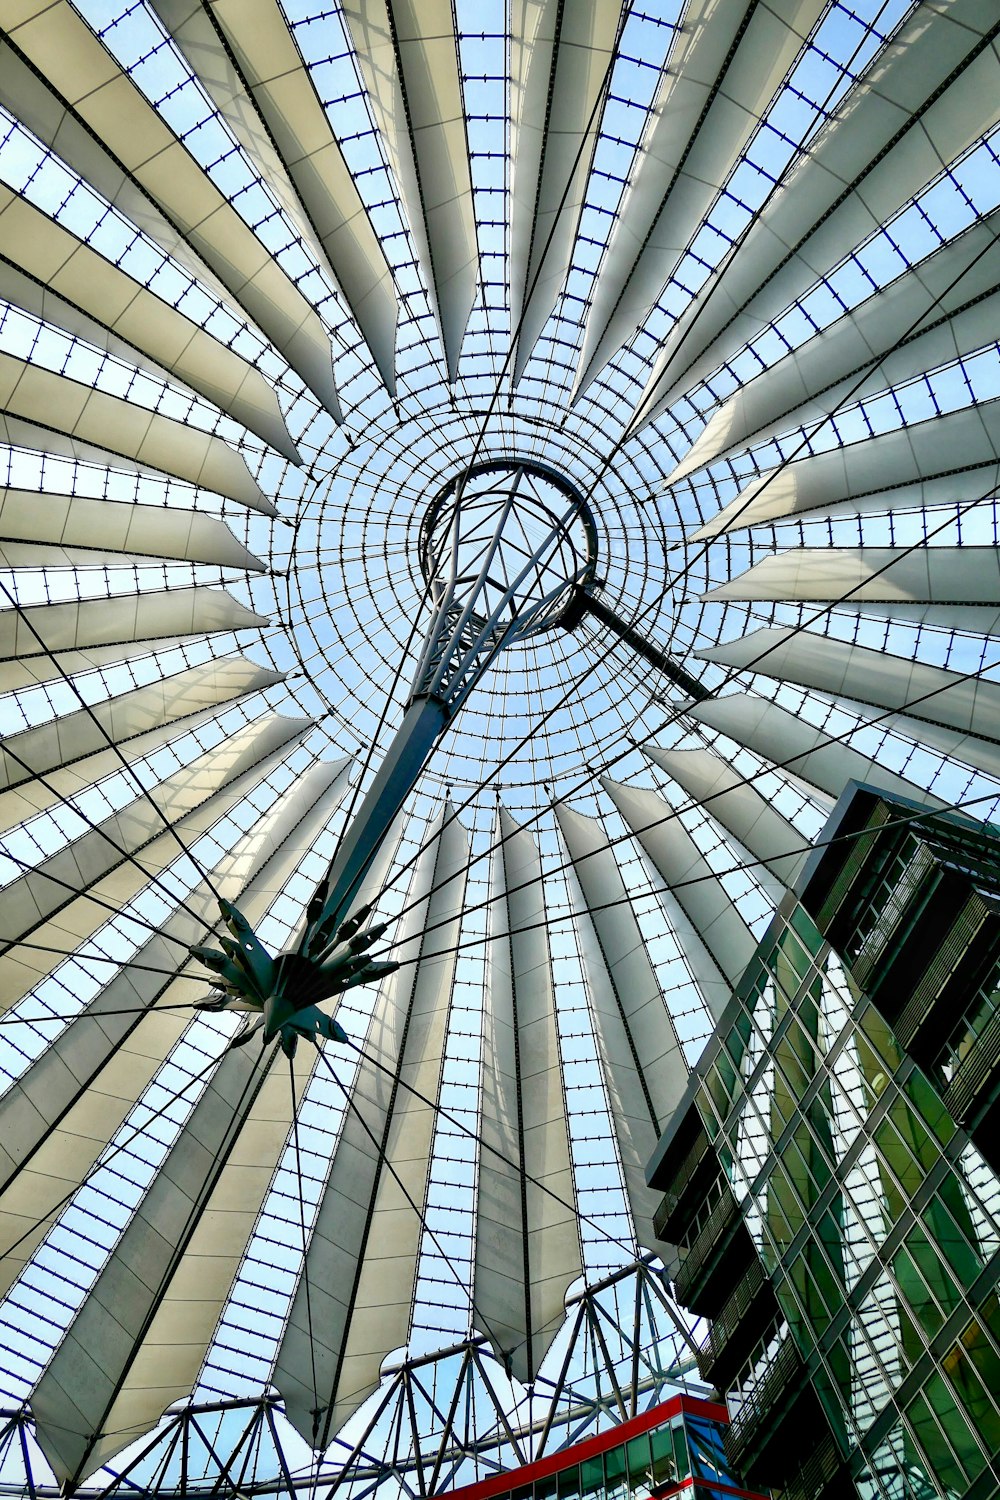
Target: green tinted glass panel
[(753, 984), (545, 1489), (912, 1255), (797, 1173), (803, 1029), (569, 1483), (928, 1103), (974, 1371), (953, 1238), (803, 1298), (807, 929), (988, 1315), (639, 1462), (707, 1111), (877, 1044), (592, 1477), (934, 1453), (736, 1042), (663, 1455), (614, 1471), (799, 955), (679, 1439), (833, 1387), (719, 1088), (950, 1445), (783, 1213), (908, 1153)]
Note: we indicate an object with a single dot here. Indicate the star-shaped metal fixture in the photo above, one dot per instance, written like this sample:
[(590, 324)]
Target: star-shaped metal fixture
[(284, 992)]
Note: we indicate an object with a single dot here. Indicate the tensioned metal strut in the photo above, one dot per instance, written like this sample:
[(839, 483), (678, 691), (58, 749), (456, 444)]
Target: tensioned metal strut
[(502, 563)]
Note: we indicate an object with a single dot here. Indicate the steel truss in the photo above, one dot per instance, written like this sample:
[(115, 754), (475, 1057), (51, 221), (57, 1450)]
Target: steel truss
[(436, 1421)]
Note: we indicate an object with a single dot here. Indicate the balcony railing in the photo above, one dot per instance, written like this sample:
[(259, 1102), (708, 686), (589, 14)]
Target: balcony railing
[(974, 1071), (779, 1380), (739, 1323), (712, 1239), (916, 1010), (687, 1171), (823, 1468)]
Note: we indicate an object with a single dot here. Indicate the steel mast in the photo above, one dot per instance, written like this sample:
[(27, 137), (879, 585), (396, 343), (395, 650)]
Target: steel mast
[(506, 549)]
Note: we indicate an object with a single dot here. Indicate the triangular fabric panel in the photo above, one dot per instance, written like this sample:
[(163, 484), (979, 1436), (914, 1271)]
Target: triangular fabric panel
[(76, 95), (252, 70), (527, 1235), (724, 67), (54, 1121), (112, 1372), (57, 782), (59, 278), (693, 885), (742, 810), (40, 529), (30, 393), (917, 107), (644, 1068), (946, 586), (139, 1339), (66, 898), (943, 461), (352, 1304), (560, 57), (953, 699), (30, 97), (940, 308), (35, 752), (47, 641), (790, 742), (408, 52)]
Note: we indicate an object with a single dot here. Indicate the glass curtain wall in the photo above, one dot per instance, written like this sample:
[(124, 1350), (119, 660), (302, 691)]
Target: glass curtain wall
[(875, 1216)]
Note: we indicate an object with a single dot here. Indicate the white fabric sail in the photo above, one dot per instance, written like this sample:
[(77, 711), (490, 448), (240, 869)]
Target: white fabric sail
[(938, 309), (527, 1232), (244, 52), (41, 529), (352, 1305), (721, 944), (644, 1068), (726, 61), (58, 277), (156, 1301), (947, 460), (560, 66), (76, 95), (919, 110), (408, 54)]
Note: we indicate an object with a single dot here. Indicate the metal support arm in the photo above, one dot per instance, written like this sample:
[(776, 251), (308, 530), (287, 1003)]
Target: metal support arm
[(424, 721)]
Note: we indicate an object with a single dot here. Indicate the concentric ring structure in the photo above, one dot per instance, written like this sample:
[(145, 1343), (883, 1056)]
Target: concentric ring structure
[(278, 274)]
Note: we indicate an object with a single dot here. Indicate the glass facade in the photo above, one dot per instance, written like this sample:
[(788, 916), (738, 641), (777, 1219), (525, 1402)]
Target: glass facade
[(675, 1449), (874, 1214)]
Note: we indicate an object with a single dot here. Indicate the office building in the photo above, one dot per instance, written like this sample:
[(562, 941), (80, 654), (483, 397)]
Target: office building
[(833, 1179)]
